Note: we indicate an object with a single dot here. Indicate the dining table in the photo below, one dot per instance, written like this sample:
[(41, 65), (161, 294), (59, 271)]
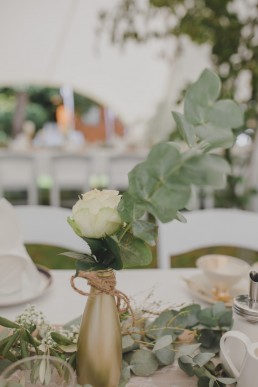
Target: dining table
[(146, 288), (60, 303)]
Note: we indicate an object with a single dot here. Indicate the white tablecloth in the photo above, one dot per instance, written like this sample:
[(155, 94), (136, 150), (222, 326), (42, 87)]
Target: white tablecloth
[(61, 303)]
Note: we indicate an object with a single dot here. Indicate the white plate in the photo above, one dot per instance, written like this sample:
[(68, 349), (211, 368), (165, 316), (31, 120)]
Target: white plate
[(26, 295), (200, 287)]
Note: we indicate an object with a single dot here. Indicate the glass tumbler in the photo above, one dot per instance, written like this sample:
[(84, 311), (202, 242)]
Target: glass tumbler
[(39, 371)]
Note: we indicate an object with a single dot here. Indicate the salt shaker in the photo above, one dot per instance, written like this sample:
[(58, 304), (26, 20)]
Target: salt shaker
[(245, 320)]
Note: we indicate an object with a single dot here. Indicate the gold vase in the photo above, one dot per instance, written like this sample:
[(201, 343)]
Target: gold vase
[(99, 351)]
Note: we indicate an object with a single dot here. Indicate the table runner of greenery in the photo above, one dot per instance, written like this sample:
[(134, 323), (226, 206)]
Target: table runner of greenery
[(189, 335)]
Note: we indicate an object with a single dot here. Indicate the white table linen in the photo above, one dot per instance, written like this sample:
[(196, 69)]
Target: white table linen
[(61, 303)]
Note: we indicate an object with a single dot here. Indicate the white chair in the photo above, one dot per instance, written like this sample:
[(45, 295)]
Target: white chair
[(46, 225), (18, 173), (206, 228), (69, 172), (118, 168)]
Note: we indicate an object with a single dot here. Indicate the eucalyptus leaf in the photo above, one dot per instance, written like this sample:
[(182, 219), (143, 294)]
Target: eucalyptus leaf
[(218, 309), (206, 89), (215, 137), (202, 358), (186, 365), (186, 129), (186, 317), (155, 183), (225, 319), (168, 199), (128, 343), (146, 231), (165, 356), (161, 326), (200, 96), (128, 209), (206, 317), (209, 339), (206, 170), (134, 251), (163, 342), (125, 374), (201, 372), (143, 363), (188, 350), (226, 380), (225, 114), (204, 381)]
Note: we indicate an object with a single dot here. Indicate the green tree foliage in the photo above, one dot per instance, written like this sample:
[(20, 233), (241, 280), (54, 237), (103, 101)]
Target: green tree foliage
[(231, 34)]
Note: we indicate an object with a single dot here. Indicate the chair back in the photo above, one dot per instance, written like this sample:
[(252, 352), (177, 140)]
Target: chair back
[(69, 172), (118, 168), (206, 228), (47, 225), (18, 173)]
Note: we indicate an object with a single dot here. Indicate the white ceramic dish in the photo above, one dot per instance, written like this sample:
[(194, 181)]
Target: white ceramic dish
[(26, 295), (201, 288)]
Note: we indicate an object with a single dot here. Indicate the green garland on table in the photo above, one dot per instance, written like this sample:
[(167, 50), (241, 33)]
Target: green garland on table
[(189, 335)]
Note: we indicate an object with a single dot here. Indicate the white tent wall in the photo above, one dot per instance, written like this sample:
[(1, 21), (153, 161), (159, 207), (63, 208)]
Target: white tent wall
[(53, 42)]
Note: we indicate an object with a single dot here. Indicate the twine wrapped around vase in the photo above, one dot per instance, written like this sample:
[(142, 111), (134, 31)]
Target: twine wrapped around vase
[(105, 284)]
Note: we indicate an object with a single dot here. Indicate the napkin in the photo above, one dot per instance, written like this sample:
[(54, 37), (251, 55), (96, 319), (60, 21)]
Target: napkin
[(17, 269)]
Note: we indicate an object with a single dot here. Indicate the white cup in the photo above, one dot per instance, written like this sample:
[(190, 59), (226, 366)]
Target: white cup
[(244, 368), (222, 271)]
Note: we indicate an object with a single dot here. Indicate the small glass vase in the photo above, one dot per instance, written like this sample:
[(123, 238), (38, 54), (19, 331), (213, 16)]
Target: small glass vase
[(99, 348)]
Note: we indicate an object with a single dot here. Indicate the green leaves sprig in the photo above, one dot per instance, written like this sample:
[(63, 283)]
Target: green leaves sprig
[(163, 184)]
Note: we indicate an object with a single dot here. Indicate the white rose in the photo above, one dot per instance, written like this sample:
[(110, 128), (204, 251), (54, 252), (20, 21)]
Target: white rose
[(95, 213)]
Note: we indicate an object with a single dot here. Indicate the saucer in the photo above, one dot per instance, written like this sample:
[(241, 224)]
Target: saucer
[(200, 287), (26, 295)]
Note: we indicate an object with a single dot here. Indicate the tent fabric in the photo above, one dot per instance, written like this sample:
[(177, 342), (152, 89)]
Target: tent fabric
[(54, 43)]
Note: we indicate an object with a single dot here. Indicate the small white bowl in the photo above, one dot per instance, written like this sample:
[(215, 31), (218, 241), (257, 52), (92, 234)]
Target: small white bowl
[(223, 271)]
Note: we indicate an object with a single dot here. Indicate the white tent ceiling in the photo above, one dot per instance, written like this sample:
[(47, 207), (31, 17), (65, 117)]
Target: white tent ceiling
[(53, 42)]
